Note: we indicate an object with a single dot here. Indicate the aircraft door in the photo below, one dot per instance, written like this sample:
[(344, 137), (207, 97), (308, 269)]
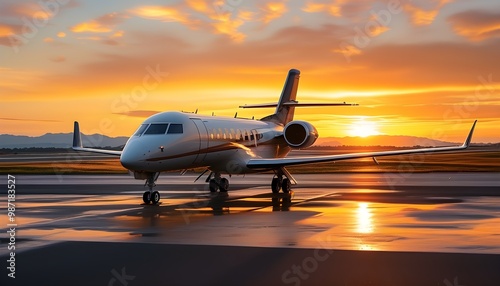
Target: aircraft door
[(203, 135)]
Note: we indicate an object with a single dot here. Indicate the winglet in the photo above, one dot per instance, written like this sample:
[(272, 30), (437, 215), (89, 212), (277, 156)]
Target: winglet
[(77, 138), (469, 138)]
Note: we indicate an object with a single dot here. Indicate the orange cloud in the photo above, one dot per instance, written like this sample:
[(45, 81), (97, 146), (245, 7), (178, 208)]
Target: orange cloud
[(30, 10), (476, 25), (230, 27), (163, 13), (377, 30), (103, 24), (6, 30), (7, 35), (118, 34), (424, 16), (419, 16), (312, 7), (347, 50), (221, 19), (346, 8), (273, 10), (201, 6), (58, 59)]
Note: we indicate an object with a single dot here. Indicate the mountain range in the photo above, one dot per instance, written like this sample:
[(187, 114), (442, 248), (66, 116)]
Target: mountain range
[(59, 140), (64, 140)]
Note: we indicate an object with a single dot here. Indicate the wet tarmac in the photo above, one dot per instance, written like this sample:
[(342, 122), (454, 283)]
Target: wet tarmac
[(395, 219)]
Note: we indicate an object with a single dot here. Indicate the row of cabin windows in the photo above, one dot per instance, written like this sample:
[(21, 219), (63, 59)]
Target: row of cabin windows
[(159, 128), (237, 135), (221, 134)]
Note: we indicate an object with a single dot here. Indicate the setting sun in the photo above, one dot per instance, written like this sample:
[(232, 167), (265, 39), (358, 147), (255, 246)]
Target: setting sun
[(363, 128)]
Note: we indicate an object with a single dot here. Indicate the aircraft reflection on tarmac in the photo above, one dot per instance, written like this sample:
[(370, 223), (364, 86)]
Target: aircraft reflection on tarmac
[(220, 204)]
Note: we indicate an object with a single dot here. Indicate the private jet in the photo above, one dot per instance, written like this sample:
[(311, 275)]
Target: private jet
[(172, 140)]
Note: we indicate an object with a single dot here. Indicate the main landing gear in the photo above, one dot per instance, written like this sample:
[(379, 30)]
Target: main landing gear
[(218, 183), (151, 196), (279, 183)]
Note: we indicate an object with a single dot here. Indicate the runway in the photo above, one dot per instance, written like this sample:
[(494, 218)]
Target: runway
[(446, 225)]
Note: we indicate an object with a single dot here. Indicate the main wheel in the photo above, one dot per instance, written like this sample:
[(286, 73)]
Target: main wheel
[(146, 197), (224, 185), (213, 186), (286, 186), (155, 197), (275, 185)]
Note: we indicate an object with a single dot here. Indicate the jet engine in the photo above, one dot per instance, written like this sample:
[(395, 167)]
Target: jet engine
[(300, 134)]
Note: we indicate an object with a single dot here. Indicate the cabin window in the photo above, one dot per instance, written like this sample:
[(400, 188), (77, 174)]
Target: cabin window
[(156, 129), (141, 130), (175, 129)]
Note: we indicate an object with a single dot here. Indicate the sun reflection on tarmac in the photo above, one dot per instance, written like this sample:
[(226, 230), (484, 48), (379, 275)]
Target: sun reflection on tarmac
[(364, 217)]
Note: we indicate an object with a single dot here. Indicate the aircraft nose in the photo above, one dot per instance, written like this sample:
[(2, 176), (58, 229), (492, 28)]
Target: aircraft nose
[(130, 160)]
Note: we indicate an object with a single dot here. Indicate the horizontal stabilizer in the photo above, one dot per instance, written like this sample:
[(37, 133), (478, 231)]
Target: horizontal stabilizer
[(296, 103)]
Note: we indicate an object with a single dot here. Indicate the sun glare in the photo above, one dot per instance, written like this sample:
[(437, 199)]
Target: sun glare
[(363, 128)]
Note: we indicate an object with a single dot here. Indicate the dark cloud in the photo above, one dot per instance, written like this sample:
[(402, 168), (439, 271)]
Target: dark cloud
[(476, 25)]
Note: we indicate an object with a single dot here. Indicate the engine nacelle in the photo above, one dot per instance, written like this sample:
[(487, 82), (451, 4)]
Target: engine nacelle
[(300, 134)]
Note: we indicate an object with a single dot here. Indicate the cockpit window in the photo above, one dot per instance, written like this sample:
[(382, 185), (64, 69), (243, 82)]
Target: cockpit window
[(141, 129), (156, 129), (175, 129)]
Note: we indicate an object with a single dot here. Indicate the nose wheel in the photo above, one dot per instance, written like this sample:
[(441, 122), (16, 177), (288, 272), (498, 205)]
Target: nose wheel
[(151, 197)]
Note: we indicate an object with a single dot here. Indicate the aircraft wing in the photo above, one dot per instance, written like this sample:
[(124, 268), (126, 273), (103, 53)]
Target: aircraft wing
[(282, 162), (78, 146)]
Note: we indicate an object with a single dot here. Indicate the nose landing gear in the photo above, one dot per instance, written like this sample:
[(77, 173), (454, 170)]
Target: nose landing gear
[(151, 196)]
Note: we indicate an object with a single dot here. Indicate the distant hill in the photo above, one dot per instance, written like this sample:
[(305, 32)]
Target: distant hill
[(59, 140), (381, 140), (64, 140)]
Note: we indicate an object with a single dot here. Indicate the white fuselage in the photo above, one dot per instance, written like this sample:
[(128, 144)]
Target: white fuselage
[(175, 141)]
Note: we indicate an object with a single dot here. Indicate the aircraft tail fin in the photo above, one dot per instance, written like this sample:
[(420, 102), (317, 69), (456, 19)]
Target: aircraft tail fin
[(78, 146), (285, 108), (284, 113)]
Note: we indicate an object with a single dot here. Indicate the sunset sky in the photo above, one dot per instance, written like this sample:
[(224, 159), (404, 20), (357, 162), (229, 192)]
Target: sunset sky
[(423, 67)]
